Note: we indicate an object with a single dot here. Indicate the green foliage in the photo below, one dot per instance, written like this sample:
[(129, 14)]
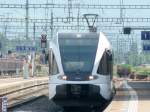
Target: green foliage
[(126, 66), (141, 70), (125, 69)]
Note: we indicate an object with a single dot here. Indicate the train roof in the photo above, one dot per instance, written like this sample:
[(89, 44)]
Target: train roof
[(78, 35), (74, 35)]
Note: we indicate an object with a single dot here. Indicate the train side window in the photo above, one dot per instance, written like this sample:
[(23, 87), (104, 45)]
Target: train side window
[(109, 62), (102, 68), (105, 65), (53, 67), (50, 61)]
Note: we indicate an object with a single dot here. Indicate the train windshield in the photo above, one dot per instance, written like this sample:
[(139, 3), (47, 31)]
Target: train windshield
[(78, 54)]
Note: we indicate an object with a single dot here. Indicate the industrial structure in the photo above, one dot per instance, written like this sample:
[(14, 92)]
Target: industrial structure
[(21, 21)]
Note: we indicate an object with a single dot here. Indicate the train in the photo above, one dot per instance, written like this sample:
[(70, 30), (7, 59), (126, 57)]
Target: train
[(80, 70)]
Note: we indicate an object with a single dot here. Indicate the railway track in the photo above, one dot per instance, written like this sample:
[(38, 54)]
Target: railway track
[(122, 101), (36, 103), (24, 91), (26, 94)]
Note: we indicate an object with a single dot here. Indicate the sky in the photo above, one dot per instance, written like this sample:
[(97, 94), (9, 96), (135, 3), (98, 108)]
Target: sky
[(46, 13)]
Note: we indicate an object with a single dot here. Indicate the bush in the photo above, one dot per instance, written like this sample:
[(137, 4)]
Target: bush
[(123, 70)]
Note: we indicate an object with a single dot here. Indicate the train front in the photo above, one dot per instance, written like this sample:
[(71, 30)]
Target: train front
[(80, 79)]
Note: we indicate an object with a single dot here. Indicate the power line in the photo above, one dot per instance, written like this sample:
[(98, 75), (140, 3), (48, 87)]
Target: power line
[(75, 6), (112, 27), (75, 19)]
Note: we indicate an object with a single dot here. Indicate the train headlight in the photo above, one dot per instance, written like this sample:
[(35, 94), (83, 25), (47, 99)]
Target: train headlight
[(64, 77), (91, 77)]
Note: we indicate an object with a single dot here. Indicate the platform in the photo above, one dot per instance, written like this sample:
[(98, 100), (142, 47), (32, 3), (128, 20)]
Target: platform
[(8, 81), (134, 96), (19, 90)]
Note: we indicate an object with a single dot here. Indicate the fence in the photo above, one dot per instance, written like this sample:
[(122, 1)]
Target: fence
[(10, 66), (42, 70)]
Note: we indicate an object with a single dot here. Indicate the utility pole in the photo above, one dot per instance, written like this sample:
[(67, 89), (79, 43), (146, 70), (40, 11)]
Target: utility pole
[(78, 21), (5, 33), (117, 50), (34, 31), (52, 24), (26, 65), (4, 39), (69, 10), (46, 16), (33, 52), (27, 19), (121, 12)]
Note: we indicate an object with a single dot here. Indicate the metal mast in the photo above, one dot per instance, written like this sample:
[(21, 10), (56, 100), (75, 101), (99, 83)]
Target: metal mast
[(27, 19)]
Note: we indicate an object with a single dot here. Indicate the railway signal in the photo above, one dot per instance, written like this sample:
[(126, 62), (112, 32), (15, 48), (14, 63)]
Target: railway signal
[(43, 41), (127, 30)]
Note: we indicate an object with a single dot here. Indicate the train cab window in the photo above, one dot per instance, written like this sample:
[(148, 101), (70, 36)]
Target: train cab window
[(105, 65), (53, 67), (78, 54)]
